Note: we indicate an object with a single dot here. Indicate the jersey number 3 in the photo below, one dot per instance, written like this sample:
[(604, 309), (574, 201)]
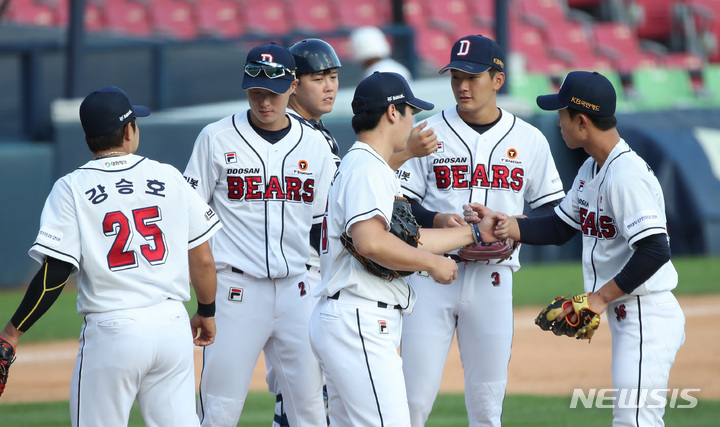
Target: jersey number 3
[(118, 225)]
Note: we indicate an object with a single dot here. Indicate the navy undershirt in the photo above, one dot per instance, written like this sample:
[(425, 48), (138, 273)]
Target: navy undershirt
[(271, 136)]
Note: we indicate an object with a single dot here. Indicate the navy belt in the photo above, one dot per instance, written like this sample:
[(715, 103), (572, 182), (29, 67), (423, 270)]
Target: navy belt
[(238, 271), (379, 304)]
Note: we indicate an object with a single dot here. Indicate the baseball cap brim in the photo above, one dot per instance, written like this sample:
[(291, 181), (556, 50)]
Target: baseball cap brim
[(140, 111), (420, 104), (468, 67), (550, 102), (279, 85)]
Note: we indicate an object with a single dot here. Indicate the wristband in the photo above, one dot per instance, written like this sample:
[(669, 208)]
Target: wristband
[(476, 233), (206, 310)]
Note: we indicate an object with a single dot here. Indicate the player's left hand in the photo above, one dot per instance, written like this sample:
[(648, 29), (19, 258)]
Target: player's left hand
[(203, 330), (421, 141)]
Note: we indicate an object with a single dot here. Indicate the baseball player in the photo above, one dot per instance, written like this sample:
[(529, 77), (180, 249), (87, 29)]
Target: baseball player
[(317, 74), (616, 202), (355, 328), (267, 176), (485, 154), (131, 228)]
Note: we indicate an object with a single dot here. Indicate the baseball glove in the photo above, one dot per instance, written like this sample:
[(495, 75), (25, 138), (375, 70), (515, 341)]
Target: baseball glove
[(7, 357), (500, 250), (587, 319), (402, 225)]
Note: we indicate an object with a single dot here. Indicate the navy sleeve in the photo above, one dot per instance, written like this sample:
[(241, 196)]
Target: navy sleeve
[(315, 233), (42, 292), (423, 216), (545, 230), (652, 253), (546, 209)]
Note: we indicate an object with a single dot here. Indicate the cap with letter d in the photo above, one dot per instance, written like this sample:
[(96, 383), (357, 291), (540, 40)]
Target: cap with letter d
[(476, 54), (269, 66), (107, 110), (380, 90), (585, 91)]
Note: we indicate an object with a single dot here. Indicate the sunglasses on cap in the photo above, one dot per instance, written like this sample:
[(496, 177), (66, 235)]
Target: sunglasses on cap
[(272, 70)]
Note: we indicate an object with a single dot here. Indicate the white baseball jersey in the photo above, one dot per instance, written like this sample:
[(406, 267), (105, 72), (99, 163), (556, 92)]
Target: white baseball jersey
[(364, 187), (356, 325), (614, 207), (126, 224), (502, 168), (249, 181), (120, 220), (314, 260)]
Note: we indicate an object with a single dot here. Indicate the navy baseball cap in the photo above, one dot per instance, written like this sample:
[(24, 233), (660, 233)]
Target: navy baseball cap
[(269, 66), (379, 90), (589, 92), (475, 54), (107, 110)]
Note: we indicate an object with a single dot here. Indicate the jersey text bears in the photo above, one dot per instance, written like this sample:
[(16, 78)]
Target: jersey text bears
[(456, 176), (599, 226), (254, 187)]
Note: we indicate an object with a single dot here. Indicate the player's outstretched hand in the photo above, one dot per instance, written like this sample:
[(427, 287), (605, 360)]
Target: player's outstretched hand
[(447, 220), (474, 212), (422, 141), (443, 270), (203, 330)]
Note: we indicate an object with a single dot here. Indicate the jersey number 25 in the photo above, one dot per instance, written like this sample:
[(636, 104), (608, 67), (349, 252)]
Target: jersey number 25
[(118, 225)]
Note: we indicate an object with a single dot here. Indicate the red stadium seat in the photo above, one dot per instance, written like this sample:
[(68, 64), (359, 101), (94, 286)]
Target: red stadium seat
[(528, 41), (706, 16), (542, 13), (451, 15), (568, 41), (313, 15), (172, 18), (28, 12), (685, 60), (219, 18), (268, 17), (619, 43), (483, 12), (656, 19), (414, 13), (360, 13), (127, 17), (433, 46)]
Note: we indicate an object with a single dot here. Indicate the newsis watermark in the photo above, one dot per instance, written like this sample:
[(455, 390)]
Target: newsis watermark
[(634, 398)]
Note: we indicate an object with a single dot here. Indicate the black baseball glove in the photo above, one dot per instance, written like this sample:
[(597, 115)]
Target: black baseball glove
[(7, 357), (402, 225)]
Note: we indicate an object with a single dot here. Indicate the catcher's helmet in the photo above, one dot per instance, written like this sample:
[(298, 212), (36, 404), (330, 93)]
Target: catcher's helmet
[(313, 55)]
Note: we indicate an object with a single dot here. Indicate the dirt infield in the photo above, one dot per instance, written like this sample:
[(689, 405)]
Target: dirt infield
[(541, 363)]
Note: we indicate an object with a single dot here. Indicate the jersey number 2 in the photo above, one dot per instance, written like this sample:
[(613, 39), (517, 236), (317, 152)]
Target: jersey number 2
[(117, 224)]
